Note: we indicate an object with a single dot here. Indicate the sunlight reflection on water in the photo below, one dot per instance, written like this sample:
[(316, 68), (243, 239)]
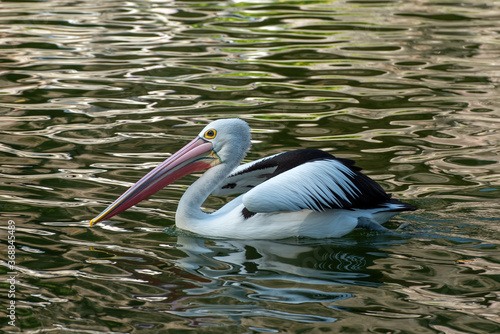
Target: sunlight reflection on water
[(93, 95)]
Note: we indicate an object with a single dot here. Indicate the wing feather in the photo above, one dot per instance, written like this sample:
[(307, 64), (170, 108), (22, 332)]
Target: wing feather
[(251, 174), (247, 176), (302, 179), (316, 185)]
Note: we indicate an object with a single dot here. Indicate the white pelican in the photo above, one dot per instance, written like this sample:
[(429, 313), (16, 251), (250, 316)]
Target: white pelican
[(302, 193)]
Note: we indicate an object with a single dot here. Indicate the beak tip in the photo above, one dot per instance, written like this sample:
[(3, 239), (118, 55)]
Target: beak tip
[(189, 157)]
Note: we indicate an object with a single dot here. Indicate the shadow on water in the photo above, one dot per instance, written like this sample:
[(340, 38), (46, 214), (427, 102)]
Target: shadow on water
[(230, 280), (406, 276)]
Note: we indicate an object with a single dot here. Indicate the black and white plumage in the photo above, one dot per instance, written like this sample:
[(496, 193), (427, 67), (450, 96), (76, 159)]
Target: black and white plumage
[(304, 192), (312, 179)]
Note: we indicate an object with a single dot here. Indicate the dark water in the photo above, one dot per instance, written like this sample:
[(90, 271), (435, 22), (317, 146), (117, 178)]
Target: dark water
[(94, 94)]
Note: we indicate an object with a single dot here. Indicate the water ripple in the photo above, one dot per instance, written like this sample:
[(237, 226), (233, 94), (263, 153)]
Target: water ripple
[(92, 95)]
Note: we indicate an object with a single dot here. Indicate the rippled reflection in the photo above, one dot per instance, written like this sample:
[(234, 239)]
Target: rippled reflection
[(93, 95)]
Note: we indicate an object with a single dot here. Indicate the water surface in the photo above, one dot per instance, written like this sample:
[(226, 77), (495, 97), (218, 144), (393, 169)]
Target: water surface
[(95, 94)]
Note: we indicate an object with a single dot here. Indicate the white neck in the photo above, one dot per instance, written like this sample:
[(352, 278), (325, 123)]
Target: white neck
[(189, 208)]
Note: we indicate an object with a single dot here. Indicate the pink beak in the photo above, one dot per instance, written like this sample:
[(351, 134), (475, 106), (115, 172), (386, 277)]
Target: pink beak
[(195, 156)]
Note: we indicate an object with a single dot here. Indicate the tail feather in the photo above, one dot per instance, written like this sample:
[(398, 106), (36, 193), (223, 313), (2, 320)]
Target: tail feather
[(393, 205)]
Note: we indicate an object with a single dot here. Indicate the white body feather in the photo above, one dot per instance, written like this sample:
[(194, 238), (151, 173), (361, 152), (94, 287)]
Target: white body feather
[(228, 222)]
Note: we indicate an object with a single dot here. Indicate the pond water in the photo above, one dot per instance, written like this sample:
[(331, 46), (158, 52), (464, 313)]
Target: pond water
[(95, 94)]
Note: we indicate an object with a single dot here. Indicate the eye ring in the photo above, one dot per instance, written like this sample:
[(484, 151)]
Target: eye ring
[(210, 134)]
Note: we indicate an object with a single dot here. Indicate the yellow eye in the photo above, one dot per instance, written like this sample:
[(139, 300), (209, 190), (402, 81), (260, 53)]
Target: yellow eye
[(210, 134)]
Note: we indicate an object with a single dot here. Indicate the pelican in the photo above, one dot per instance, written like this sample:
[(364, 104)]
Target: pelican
[(301, 193)]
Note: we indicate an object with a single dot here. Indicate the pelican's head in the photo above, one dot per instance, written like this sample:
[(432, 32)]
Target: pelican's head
[(222, 141), (230, 138)]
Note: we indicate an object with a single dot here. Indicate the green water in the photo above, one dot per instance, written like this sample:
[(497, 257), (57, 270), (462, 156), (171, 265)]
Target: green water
[(94, 94)]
